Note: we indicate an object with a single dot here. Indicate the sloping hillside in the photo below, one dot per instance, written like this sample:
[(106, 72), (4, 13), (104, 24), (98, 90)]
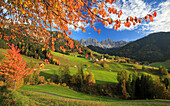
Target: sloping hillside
[(152, 48)]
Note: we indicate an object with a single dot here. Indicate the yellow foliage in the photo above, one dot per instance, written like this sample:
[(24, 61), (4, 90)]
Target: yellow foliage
[(42, 66), (41, 79), (43, 49), (28, 83), (52, 83), (48, 81), (1, 83), (87, 73), (64, 84)]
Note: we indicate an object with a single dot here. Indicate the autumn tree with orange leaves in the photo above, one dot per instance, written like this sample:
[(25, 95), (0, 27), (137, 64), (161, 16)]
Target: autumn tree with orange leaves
[(13, 68), (42, 15)]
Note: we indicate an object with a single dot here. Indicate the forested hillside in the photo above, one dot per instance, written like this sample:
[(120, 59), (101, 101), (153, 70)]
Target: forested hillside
[(152, 48)]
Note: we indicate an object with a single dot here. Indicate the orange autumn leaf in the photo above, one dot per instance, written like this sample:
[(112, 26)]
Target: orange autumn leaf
[(146, 18), (69, 33), (115, 27), (99, 31), (154, 14), (131, 19), (151, 18)]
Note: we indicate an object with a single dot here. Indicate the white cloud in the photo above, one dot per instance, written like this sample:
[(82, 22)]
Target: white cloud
[(162, 21), (139, 8)]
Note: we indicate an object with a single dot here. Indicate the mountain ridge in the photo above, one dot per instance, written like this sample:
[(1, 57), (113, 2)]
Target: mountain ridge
[(152, 48), (108, 43)]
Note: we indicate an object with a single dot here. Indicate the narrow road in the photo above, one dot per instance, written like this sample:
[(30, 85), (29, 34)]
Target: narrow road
[(156, 102)]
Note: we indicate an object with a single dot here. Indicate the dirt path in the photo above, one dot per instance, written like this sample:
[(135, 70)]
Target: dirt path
[(156, 102)]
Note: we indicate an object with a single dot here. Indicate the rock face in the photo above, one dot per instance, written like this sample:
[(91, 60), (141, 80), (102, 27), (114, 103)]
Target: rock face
[(108, 43)]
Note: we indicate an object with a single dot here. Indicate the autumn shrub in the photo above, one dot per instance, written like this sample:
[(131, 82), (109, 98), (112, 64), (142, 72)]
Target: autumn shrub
[(10, 83), (52, 83), (41, 79), (48, 81)]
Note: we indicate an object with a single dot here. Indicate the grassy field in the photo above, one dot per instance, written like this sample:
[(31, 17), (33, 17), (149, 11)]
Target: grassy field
[(65, 92), (25, 98), (69, 60), (165, 64), (75, 97)]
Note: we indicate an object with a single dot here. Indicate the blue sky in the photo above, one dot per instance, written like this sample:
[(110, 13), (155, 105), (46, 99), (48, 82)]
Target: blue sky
[(132, 8)]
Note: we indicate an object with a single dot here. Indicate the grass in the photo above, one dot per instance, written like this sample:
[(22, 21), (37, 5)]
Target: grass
[(65, 92), (165, 64), (71, 95), (101, 75), (34, 98), (69, 60)]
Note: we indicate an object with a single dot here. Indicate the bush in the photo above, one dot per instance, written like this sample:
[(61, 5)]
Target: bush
[(41, 80), (10, 83)]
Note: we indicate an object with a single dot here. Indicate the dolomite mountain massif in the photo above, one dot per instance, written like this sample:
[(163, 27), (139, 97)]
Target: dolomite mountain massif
[(108, 43)]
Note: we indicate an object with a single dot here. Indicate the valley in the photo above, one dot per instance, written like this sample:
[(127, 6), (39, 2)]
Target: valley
[(102, 75)]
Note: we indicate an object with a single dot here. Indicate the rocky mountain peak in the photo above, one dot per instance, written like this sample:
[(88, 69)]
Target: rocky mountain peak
[(108, 43)]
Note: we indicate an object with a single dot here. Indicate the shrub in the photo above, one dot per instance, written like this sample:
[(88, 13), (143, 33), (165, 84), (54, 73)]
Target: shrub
[(10, 83), (48, 81), (41, 79), (64, 85)]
